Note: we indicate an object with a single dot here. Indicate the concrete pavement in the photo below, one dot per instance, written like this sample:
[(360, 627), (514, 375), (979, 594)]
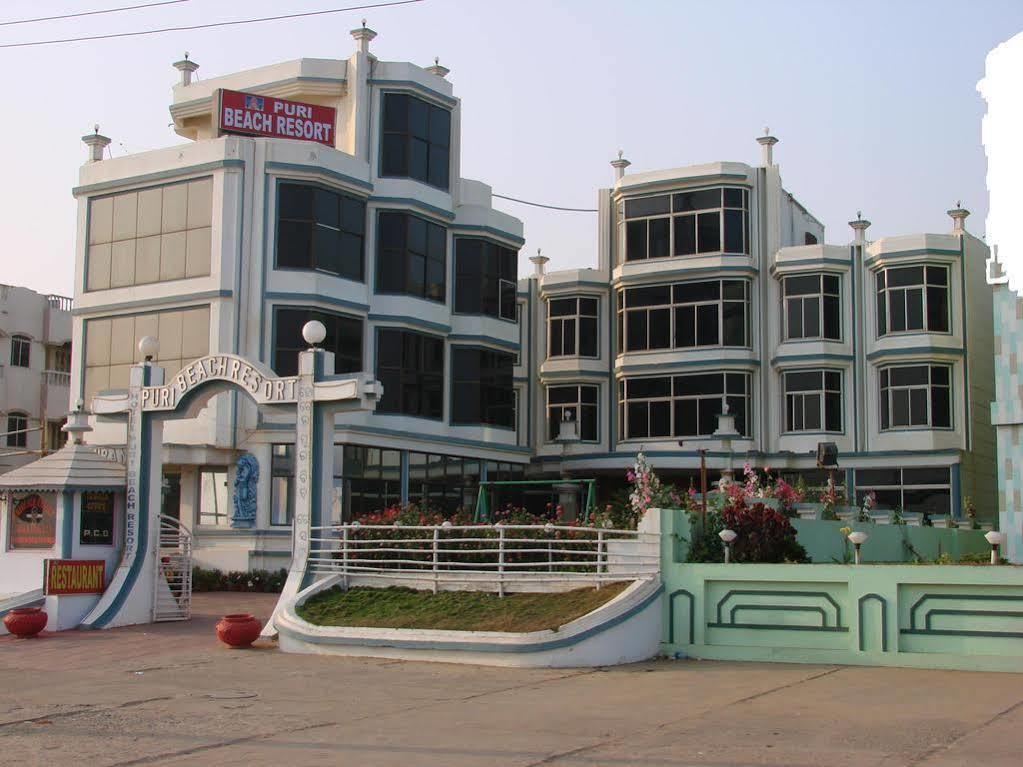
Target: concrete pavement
[(170, 694)]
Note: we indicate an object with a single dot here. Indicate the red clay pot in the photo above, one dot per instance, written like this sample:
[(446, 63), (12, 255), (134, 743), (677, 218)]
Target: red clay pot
[(25, 621), (238, 630)]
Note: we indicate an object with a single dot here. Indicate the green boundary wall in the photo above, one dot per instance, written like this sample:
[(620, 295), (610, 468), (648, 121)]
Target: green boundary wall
[(928, 616)]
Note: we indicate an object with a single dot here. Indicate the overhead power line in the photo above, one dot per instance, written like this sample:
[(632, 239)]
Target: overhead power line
[(541, 205), (212, 25), (91, 13)]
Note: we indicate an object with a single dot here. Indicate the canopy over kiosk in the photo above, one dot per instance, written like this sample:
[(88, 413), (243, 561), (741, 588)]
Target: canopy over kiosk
[(61, 511)]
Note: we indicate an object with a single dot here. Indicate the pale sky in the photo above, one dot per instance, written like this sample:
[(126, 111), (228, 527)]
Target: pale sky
[(875, 103)]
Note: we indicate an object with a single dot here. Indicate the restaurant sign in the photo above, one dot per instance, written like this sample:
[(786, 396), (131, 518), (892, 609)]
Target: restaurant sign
[(73, 576), (269, 117)]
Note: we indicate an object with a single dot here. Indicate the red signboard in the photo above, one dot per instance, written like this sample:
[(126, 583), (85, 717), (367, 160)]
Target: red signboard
[(266, 116), (33, 522), (74, 576)]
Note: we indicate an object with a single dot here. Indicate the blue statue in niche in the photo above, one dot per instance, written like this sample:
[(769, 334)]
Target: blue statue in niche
[(245, 479)]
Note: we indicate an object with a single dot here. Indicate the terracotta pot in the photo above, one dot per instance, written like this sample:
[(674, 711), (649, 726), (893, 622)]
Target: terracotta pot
[(238, 630), (25, 621)]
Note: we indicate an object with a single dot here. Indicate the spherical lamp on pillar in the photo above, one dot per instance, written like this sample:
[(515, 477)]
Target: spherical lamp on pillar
[(149, 347), (314, 332), (727, 536)]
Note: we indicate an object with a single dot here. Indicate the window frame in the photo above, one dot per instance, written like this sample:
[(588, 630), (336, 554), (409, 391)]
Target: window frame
[(576, 317), (883, 291), (17, 436), (821, 295), (506, 288), (416, 373), (671, 398), (282, 467), (673, 308), (301, 346), (579, 404), (21, 351), (480, 386), (408, 138), (886, 397), (216, 515), (822, 393), (313, 267), (406, 255), (860, 490), (675, 213)]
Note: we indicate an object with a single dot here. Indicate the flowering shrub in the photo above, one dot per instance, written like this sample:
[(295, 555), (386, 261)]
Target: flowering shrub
[(830, 497), (271, 582), (869, 504), (647, 490), (763, 534)]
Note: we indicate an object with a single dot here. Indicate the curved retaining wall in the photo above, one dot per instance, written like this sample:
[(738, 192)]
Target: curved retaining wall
[(625, 630)]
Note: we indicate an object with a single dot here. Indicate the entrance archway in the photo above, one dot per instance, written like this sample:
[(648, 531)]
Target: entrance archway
[(316, 394)]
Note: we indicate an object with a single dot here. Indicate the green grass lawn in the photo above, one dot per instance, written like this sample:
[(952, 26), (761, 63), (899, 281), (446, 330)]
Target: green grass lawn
[(398, 607)]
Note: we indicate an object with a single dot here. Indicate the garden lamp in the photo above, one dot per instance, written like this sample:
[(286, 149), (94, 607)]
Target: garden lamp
[(996, 538), (727, 536), (857, 539)]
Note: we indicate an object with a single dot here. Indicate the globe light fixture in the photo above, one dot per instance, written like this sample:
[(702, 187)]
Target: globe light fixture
[(996, 538), (314, 332), (149, 347), (857, 538), (727, 536)]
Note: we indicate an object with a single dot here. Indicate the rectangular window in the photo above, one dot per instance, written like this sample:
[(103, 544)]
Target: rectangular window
[(17, 430), (370, 479), (411, 256), (444, 483), (682, 406), (214, 505), (813, 307), (320, 229), (411, 367), (925, 490), (21, 351), (916, 396), (813, 400), (684, 315), (416, 141), (573, 403), (687, 224), (486, 278), (572, 327), (913, 299), (282, 484), (481, 390), (344, 338)]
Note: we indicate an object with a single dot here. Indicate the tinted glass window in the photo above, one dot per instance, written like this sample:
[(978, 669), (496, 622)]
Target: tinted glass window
[(416, 140)]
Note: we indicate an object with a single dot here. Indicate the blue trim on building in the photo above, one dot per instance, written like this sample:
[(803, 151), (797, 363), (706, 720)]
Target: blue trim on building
[(489, 230), (917, 350), (163, 175), (462, 339), (782, 360), (411, 85), (178, 298), (317, 298), (319, 170), (425, 208), (67, 528), (898, 255), (436, 327)]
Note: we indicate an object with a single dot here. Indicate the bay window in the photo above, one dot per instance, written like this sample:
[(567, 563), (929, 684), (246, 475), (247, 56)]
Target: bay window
[(682, 405), (411, 256), (416, 140), (913, 299), (486, 278), (916, 396), (813, 400), (320, 229), (687, 224), (482, 391), (344, 338), (813, 307), (573, 403), (572, 327), (410, 365)]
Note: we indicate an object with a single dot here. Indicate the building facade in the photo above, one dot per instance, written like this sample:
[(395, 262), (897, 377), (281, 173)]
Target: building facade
[(35, 378), (712, 287)]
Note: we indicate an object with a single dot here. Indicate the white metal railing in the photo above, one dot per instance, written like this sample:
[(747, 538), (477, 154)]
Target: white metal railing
[(172, 597), (484, 555), (57, 378), (61, 303)]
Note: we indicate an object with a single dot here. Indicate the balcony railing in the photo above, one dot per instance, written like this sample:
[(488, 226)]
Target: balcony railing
[(56, 378), (61, 303)]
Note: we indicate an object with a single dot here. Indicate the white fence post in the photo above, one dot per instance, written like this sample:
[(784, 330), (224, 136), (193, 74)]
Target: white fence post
[(500, 561), (600, 555), (344, 555), (436, 538)]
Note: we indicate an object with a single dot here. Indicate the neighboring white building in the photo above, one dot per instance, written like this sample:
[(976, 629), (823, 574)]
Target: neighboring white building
[(714, 281), (35, 360), (710, 281)]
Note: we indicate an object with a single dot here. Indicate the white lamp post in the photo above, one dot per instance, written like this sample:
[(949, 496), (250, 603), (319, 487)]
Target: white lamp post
[(857, 538), (727, 536), (996, 539)]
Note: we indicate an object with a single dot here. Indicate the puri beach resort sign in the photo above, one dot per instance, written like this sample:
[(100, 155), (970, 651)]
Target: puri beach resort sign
[(269, 117), (265, 389)]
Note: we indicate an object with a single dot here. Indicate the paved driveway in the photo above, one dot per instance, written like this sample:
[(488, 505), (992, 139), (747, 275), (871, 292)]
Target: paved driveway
[(170, 694)]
